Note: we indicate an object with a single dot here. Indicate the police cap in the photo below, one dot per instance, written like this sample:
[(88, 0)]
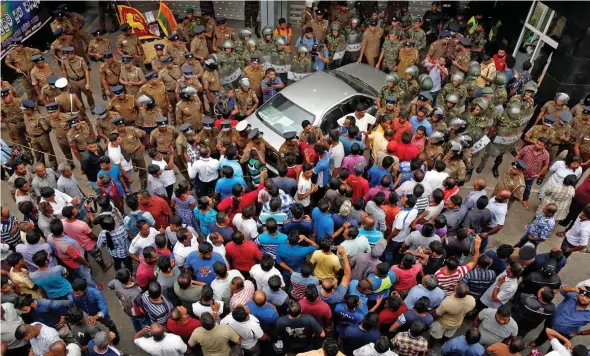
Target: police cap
[(107, 54), (319, 12), (521, 165), (566, 116), (549, 120), (118, 90), (162, 121), (37, 58), (254, 59), (68, 50), (17, 41), (126, 59), (118, 121), (445, 34), (151, 75), (190, 10), (51, 80), (184, 127), (159, 46), (52, 107), (390, 100), (58, 32), (173, 37), (189, 56), (187, 70), (166, 59), (199, 29), (100, 110), (125, 27), (454, 27), (97, 32), (28, 104), (465, 42), (208, 122), (289, 135), (221, 20), (5, 92), (373, 23), (254, 134), (225, 125), (61, 83), (73, 121)]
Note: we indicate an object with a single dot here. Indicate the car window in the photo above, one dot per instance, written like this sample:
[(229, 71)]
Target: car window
[(354, 83), (349, 105), (330, 119), (282, 115)]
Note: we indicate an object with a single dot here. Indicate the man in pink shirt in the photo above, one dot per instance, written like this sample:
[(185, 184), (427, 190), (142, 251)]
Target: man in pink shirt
[(404, 150), (314, 306), (81, 232)]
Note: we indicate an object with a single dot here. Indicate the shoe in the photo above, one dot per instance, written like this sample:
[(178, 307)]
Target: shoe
[(104, 97), (468, 175), (526, 204), (100, 286), (479, 169), (495, 171)]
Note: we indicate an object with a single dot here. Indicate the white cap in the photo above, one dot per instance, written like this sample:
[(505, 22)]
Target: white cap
[(242, 125), (309, 3), (61, 83)]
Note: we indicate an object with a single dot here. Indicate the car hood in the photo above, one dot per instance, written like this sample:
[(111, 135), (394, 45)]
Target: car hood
[(275, 140)]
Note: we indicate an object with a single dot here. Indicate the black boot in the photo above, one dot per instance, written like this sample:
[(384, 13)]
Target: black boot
[(479, 169), (495, 170), (468, 175)]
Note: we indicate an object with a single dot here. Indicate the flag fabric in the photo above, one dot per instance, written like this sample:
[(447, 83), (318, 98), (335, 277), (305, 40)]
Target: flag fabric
[(166, 19), (135, 19)]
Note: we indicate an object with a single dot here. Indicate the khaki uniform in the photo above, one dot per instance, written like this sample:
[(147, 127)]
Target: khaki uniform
[(209, 139), (515, 184), (241, 141), (563, 132), (126, 108), (221, 35), (407, 57), (65, 25), (182, 31), (246, 100), (73, 25), (413, 107), (463, 58), (96, 46), (105, 125), (577, 111), (256, 75), (170, 78), (391, 113), (49, 94), (38, 129), (315, 131), (371, 43), (433, 151), (261, 148), (132, 145), (211, 82), (225, 139), (551, 108), (190, 112), (75, 70), (39, 75), (77, 137), (60, 125), (438, 49), (197, 69), (184, 82), (6, 84), (177, 53), (58, 45), (319, 28), (71, 103), (109, 73), (135, 74), (181, 148), (163, 139), (439, 126), (199, 48), (341, 17), (13, 117), (306, 17), (580, 124), (537, 131), (456, 169), (22, 60), (130, 46), (289, 146), (147, 118), (157, 64), (157, 92)]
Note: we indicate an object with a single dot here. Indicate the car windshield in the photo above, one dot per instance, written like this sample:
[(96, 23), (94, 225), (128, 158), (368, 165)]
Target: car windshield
[(282, 115), (354, 83)]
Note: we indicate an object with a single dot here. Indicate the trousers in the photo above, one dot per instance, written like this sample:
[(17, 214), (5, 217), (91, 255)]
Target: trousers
[(41, 145), (79, 87)]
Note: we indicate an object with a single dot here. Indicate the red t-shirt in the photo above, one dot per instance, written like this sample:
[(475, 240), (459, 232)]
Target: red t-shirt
[(402, 151), (387, 316), (307, 149), (360, 186), (185, 330), (390, 213), (499, 62), (400, 129), (145, 274), (292, 171), (406, 278), (320, 310), (243, 257), (159, 209), (583, 192), (249, 198)]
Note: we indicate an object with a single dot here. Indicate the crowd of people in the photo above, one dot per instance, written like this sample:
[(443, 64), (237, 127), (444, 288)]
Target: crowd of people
[(359, 240)]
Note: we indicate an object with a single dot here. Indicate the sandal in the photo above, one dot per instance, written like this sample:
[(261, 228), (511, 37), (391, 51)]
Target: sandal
[(561, 234), (526, 204)]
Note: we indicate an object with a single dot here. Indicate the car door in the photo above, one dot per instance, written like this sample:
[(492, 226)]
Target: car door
[(345, 107)]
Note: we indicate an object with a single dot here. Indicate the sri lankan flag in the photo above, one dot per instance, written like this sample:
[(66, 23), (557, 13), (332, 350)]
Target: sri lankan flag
[(166, 19), (135, 19)]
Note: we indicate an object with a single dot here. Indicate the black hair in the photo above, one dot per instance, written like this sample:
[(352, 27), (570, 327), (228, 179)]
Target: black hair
[(456, 200), (325, 244), (160, 240), (422, 304), (504, 310), (74, 315), (452, 263), (472, 336), (205, 248), (33, 237), (283, 170), (504, 251), (239, 314), (123, 275), (207, 321), (79, 285), (379, 198), (154, 290), (516, 345), (14, 258), (267, 262), (274, 282), (40, 258), (56, 227), (311, 293), (382, 269), (436, 247), (482, 202), (411, 200), (307, 269), (237, 238), (107, 223), (484, 261), (164, 263), (440, 165)]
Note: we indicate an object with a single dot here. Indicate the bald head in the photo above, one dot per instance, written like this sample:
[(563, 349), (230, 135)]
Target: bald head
[(503, 195), (479, 184), (58, 348), (369, 222), (550, 209), (259, 298), (157, 331)]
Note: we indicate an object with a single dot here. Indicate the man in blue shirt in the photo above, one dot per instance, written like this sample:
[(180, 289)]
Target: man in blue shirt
[(420, 120), (382, 281), (322, 219), (271, 84), (348, 313), (201, 262), (291, 256), (429, 288), (350, 139), (267, 315), (303, 225), (357, 336), (375, 173), (224, 186), (309, 40), (231, 153), (47, 311), (467, 345), (114, 172), (228, 101), (322, 168)]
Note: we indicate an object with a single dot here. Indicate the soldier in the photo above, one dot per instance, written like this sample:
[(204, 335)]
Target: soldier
[(188, 79), (255, 72), (199, 44), (251, 50), (416, 34), (373, 17), (390, 53), (129, 45), (148, 114), (301, 61), (110, 71), (544, 130), (38, 130), (69, 102), (189, 109), (478, 125), (163, 137), (456, 24), (409, 84), (513, 181), (506, 124), (77, 135), (208, 136), (439, 48), (130, 76), (39, 73), (452, 109), (395, 25), (462, 56), (434, 147), (76, 70), (472, 75), (124, 105), (20, 60), (341, 15), (209, 27), (98, 45), (455, 87), (62, 41), (241, 46), (404, 16), (336, 43), (391, 88), (478, 41), (500, 94), (252, 8), (182, 30), (526, 100), (455, 166), (437, 120), (560, 141), (319, 25), (581, 131), (60, 126), (554, 107), (578, 109), (159, 91), (371, 43), (131, 143), (176, 50), (193, 22), (12, 117), (211, 83), (229, 63), (291, 145), (222, 33), (246, 99), (354, 38), (104, 121), (49, 92), (266, 44), (307, 14)]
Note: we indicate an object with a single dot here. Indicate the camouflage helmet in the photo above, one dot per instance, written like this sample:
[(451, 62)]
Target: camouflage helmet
[(246, 83), (188, 92), (252, 42), (487, 91), (412, 70), (302, 49), (452, 98), (457, 123), (267, 31), (336, 26), (392, 77), (245, 33), (501, 78), (436, 137), (280, 41), (474, 70), (425, 82), (458, 77), (465, 140), (228, 44), (355, 20), (530, 86), (513, 109), (562, 97), (482, 102)]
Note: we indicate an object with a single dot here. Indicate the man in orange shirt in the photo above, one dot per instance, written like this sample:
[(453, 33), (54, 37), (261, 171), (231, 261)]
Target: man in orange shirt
[(285, 31), (401, 124)]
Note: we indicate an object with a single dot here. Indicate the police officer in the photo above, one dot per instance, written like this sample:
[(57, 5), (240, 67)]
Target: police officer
[(76, 70), (209, 27), (6, 85), (246, 99), (371, 43), (513, 180), (581, 133), (241, 139), (109, 71), (341, 14), (440, 47), (188, 80), (148, 113), (389, 56), (410, 84), (563, 132), (129, 45), (181, 144), (197, 68), (131, 143), (80, 35), (222, 33), (544, 130), (434, 147), (391, 89), (163, 137), (255, 72), (98, 45), (60, 124), (319, 25), (124, 105), (452, 109), (391, 108), (577, 110), (417, 35), (12, 117), (455, 87), (554, 107), (478, 125), (62, 41), (208, 136), (309, 129), (478, 41), (454, 160), (176, 50), (291, 145), (49, 92), (189, 109), (20, 60), (421, 101), (104, 121), (38, 130), (182, 30), (157, 64), (257, 143), (226, 135), (199, 44), (211, 83), (159, 91), (77, 135), (130, 76), (39, 73), (69, 102)]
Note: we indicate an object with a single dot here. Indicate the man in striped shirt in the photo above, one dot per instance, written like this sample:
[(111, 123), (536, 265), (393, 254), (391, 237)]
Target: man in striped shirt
[(481, 277), (40, 336), (9, 233), (452, 272)]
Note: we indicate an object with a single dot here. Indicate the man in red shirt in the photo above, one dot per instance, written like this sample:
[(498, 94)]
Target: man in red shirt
[(360, 186), (145, 270), (401, 124), (181, 324), (156, 206), (500, 59), (245, 199), (314, 306), (404, 150), (242, 255)]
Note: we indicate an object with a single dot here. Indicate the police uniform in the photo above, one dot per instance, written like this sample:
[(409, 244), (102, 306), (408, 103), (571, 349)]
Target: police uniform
[(456, 169), (97, 46), (513, 183), (124, 106), (132, 144), (561, 139), (39, 74), (222, 34), (320, 27), (438, 48), (170, 77), (158, 92), (226, 134), (306, 17), (7, 85), (291, 145), (197, 67), (184, 82), (163, 137), (49, 92), (260, 146), (129, 45), (256, 75), (57, 46), (80, 35), (240, 139), (147, 119), (78, 134), (342, 17), (23, 61), (110, 71), (433, 151), (198, 45), (211, 83), (246, 100), (76, 68), (371, 43), (60, 126), (539, 131), (176, 50), (408, 56), (190, 112), (551, 108), (208, 136), (71, 103), (414, 105), (13, 117), (104, 121), (303, 135), (181, 144), (133, 74), (38, 130)]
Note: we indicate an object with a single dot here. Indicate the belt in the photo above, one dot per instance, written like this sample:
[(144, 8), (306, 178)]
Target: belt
[(76, 79), (37, 135), (171, 91)]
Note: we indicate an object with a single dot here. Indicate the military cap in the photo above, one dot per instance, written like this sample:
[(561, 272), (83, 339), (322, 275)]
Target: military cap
[(549, 120), (521, 165), (100, 110), (189, 56), (162, 121), (454, 27), (208, 122), (159, 46), (37, 58), (73, 121), (57, 13), (487, 90), (125, 27), (289, 135), (107, 54), (417, 19), (394, 19), (151, 75), (361, 107), (18, 41), (408, 43), (28, 104), (254, 134), (242, 125), (118, 121), (566, 116), (424, 97), (58, 32), (225, 125), (166, 59), (465, 42), (118, 90), (373, 23), (319, 12), (391, 100), (126, 59), (52, 107), (254, 59), (5, 92), (61, 83), (184, 127), (67, 50), (199, 29), (187, 70), (190, 10), (63, 7), (445, 34), (221, 20), (173, 37), (207, 11), (97, 32)]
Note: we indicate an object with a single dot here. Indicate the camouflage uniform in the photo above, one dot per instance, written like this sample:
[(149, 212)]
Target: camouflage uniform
[(477, 127), (459, 90), (500, 95), (526, 107), (390, 53), (478, 40), (411, 88), (418, 37), (396, 91), (266, 47), (452, 113), (228, 63), (301, 64), (335, 44), (506, 126)]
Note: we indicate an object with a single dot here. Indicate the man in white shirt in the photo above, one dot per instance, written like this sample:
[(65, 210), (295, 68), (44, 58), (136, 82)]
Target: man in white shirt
[(434, 178), (186, 243), (336, 152), (500, 292), (263, 271), (166, 174), (498, 207), (223, 278), (245, 223), (116, 155), (57, 200), (576, 238), (160, 343), (407, 187), (248, 327), (205, 172), (565, 349), (364, 121), (401, 226), (353, 243), (479, 190)]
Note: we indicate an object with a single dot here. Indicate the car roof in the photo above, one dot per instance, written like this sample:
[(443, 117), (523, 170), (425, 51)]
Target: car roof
[(370, 75), (317, 92)]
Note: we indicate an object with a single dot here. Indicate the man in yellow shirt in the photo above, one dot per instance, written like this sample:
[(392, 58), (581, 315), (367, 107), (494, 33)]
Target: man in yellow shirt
[(488, 72)]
